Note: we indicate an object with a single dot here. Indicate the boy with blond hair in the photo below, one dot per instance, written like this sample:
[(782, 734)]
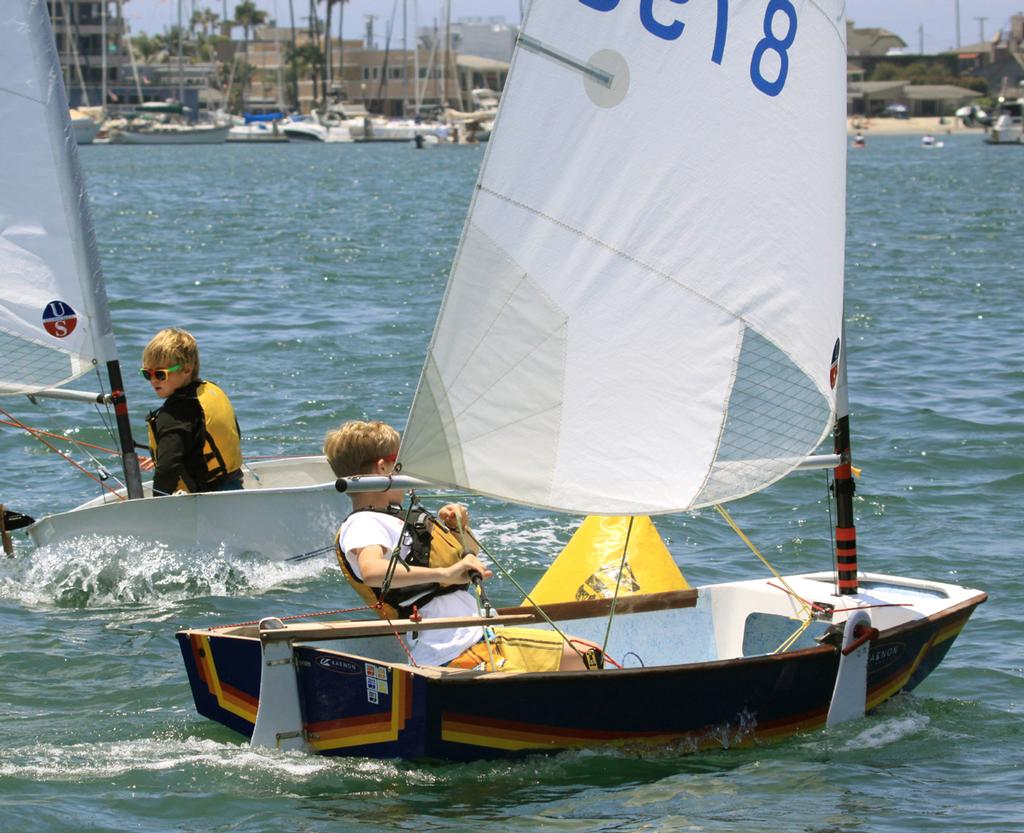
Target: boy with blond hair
[(435, 564), (193, 436)]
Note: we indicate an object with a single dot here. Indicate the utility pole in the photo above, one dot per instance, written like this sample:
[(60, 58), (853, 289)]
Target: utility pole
[(981, 28), (920, 39), (956, 7)]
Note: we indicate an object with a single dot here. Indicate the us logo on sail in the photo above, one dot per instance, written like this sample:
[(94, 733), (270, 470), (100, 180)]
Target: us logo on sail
[(59, 319)]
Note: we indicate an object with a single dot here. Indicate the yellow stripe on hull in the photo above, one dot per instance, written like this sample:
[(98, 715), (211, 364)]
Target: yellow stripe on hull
[(357, 732), (226, 700)]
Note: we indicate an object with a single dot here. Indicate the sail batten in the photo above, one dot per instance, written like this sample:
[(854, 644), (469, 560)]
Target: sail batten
[(54, 319), (645, 301)]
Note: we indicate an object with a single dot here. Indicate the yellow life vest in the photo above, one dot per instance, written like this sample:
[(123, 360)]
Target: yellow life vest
[(431, 544), (222, 446)]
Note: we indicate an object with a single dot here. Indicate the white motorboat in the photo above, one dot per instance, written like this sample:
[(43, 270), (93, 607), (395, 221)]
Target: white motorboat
[(1008, 127), (304, 129), (257, 132), (85, 128)]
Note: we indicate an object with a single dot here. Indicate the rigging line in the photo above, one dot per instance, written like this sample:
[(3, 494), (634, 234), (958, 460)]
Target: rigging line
[(831, 532), (480, 596), (743, 537), (618, 583), (305, 556), (396, 559), (33, 433), (53, 436), (526, 596)]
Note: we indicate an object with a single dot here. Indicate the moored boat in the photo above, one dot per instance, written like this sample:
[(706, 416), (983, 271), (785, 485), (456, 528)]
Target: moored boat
[(1008, 127)]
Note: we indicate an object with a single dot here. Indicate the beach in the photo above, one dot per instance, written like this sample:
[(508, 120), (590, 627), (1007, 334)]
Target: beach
[(917, 126)]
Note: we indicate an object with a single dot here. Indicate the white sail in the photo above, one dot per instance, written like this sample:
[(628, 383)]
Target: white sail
[(642, 313), (54, 321)]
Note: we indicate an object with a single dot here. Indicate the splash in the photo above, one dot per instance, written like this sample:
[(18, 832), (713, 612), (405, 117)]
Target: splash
[(888, 731), (100, 571)]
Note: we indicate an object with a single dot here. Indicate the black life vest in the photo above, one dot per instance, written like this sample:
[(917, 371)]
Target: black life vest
[(218, 432), (429, 543)]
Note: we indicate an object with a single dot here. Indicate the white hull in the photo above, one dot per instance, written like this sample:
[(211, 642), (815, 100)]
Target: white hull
[(314, 132), (257, 133), (289, 507), (383, 130), (166, 135), (1008, 128), (85, 131)]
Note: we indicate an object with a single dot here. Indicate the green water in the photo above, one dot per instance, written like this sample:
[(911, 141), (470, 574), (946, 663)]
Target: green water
[(311, 276)]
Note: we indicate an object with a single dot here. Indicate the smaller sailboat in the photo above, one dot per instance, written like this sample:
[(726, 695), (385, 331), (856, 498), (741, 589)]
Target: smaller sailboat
[(55, 328), (163, 123), (629, 329)]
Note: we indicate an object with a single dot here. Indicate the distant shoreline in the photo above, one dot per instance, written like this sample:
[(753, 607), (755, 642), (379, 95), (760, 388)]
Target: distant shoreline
[(918, 126)]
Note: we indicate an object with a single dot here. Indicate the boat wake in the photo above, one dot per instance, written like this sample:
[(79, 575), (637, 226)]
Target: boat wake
[(889, 731), (106, 761), (100, 571)]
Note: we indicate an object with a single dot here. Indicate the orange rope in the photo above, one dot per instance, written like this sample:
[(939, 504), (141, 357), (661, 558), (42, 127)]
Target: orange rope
[(36, 432), (376, 607), (39, 436)]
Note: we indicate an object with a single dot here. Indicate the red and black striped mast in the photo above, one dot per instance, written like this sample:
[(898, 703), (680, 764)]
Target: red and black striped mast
[(842, 483)]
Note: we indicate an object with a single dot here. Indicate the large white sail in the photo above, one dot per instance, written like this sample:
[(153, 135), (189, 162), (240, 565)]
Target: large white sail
[(54, 321), (645, 303)]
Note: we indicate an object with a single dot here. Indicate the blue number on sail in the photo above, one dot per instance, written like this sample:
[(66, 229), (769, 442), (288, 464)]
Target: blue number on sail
[(59, 319), (666, 31), (601, 5), (770, 43), (721, 28)]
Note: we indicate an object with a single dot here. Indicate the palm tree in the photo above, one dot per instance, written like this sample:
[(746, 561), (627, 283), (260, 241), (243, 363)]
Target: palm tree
[(248, 17)]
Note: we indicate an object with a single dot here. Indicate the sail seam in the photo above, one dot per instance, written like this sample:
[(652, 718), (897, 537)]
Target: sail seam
[(654, 270), (33, 99)]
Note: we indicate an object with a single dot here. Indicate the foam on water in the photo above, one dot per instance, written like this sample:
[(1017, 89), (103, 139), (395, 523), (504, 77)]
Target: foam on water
[(99, 571), (82, 762)]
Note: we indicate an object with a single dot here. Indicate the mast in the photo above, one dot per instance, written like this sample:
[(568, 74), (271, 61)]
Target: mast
[(405, 58), (417, 87), (129, 459), (181, 67), (103, 61), (843, 485), (131, 51), (295, 58)]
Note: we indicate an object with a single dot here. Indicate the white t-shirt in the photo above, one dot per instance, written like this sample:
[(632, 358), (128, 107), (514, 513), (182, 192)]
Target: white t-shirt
[(365, 529)]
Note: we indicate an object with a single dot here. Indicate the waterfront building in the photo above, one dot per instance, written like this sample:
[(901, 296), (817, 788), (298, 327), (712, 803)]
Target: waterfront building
[(89, 35), (392, 81)]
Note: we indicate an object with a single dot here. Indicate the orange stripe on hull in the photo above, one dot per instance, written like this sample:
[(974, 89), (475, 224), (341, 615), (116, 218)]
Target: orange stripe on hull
[(228, 697), (383, 727)]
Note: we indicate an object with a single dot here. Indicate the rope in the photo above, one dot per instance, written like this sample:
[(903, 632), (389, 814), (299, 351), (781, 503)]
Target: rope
[(305, 556), (831, 532), (38, 435), (805, 614), (39, 432), (294, 616), (618, 582), (566, 639)]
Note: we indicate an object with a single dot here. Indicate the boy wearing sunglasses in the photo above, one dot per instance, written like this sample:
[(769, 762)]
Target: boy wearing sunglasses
[(400, 558), (193, 436)]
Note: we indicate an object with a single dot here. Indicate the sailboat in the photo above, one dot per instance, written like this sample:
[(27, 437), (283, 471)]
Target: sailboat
[(644, 316), (55, 328)]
